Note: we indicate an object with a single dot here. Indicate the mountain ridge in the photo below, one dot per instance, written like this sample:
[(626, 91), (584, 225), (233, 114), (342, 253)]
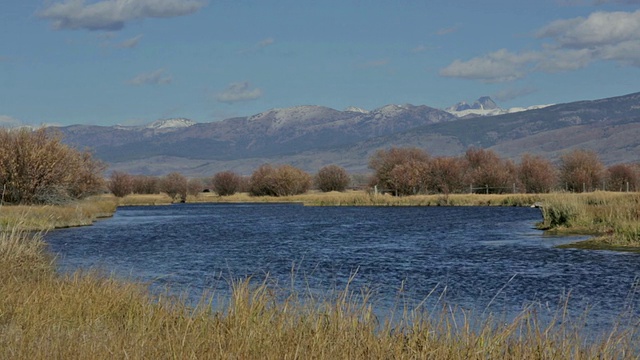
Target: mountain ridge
[(312, 136)]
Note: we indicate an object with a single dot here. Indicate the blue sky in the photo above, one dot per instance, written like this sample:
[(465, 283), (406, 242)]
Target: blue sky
[(132, 62)]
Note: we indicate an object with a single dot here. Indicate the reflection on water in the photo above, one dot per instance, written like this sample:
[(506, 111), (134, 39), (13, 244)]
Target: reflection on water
[(486, 258)]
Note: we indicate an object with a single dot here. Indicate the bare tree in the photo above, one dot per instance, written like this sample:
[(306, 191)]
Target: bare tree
[(537, 174), (281, 181), (226, 183), (35, 167), (383, 163), (581, 170), (622, 177), (174, 185), (332, 178), (446, 175), (486, 169), (120, 184)]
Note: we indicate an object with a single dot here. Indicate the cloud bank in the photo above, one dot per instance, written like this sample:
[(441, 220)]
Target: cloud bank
[(112, 15), (575, 43)]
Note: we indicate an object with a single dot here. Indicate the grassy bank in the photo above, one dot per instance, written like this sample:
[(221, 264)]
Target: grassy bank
[(363, 198), (44, 315), (612, 218), (47, 217)]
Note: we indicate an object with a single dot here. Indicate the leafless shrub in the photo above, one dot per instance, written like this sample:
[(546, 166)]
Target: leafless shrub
[(581, 170), (281, 181), (446, 175), (194, 187), (120, 184), (403, 180), (226, 183), (143, 184), (537, 174), (486, 169), (35, 167), (332, 178), (623, 177), (174, 185)]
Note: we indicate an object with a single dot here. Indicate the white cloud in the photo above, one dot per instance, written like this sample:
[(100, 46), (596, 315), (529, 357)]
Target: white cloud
[(239, 91), (600, 28), (131, 43), (498, 66), (9, 122), (113, 14), (157, 77), (575, 44)]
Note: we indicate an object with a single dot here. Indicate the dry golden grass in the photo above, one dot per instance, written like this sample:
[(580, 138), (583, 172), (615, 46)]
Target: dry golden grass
[(47, 217), (143, 200), (614, 217), (88, 316), (45, 315), (363, 198)]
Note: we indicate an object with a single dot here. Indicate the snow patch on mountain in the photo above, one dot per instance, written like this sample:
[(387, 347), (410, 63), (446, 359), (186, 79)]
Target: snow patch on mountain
[(356, 110), (485, 106), (176, 123)]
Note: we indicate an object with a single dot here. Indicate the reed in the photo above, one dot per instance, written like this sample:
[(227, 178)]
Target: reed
[(47, 217), (614, 218), (363, 198), (145, 200)]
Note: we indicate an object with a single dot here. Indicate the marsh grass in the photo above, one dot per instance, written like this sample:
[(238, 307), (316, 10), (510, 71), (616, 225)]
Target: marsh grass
[(614, 218), (47, 217), (363, 198)]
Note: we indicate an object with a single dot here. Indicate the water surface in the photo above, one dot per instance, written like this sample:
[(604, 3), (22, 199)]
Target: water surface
[(483, 258)]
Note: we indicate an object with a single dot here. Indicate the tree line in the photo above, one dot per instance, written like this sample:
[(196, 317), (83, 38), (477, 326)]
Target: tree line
[(37, 168)]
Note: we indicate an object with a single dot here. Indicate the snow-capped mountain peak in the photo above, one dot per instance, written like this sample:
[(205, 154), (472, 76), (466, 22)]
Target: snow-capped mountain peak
[(356, 110), (485, 106), (176, 123)]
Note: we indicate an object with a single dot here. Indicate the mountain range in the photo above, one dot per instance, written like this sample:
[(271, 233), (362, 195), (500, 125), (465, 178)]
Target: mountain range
[(313, 136)]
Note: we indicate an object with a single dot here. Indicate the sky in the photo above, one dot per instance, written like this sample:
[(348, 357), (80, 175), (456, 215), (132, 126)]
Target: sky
[(131, 62)]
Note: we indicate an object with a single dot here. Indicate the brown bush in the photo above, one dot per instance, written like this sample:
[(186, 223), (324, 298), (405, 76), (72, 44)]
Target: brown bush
[(281, 181), (581, 170), (623, 177), (487, 170), (537, 174), (35, 167), (332, 178), (194, 187), (446, 175), (383, 163), (120, 184), (143, 184), (226, 183), (175, 185)]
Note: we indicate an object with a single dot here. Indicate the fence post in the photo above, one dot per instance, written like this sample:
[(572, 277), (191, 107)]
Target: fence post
[(471, 189), (487, 187), (514, 188)]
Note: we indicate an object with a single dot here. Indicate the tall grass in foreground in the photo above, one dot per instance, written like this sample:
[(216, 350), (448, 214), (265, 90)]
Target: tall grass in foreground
[(613, 217), (44, 315)]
